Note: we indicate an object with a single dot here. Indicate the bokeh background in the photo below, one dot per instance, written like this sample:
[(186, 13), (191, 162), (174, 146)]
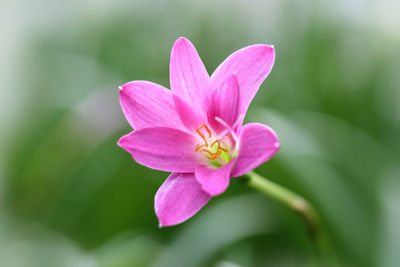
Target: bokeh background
[(71, 197)]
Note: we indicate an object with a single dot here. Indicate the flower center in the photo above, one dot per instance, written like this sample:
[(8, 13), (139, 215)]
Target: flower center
[(218, 151)]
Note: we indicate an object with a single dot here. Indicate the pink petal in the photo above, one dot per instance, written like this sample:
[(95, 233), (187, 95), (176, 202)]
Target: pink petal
[(214, 181), (146, 104), (178, 199), (225, 103), (189, 117), (163, 149), (252, 65), (257, 144), (188, 76)]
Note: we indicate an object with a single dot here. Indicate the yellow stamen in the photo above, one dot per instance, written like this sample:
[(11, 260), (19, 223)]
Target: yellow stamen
[(206, 147), (202, 136)]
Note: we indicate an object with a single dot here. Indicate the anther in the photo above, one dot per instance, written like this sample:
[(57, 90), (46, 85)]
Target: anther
[(205, 147), (202, 135)]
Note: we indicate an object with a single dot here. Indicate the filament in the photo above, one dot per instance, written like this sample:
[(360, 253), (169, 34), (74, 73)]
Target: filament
[(206, 147)]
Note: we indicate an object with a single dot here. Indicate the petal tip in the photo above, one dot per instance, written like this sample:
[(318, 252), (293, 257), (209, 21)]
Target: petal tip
[(122, 141), (164, 223), (270, 49), (181, 40), (161, 222), (267, 49), (119, 142), (277, 145), (123, 89), (233, 76)]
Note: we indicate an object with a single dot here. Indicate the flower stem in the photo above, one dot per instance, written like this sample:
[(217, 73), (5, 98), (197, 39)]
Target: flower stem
[(328, 256), (289, 198)]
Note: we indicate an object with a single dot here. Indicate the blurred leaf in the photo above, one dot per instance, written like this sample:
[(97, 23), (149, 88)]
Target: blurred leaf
[(128, 251), (33, 246), (215, 228), (326, 179), (389, 243)]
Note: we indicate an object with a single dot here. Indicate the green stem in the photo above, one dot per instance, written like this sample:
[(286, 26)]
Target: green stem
[(301, 206), (289, 198)]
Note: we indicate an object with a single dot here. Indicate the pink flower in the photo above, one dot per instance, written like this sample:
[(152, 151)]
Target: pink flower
[(195, 129)]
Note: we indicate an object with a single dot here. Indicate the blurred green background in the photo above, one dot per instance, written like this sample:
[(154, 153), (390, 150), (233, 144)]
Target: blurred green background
[(71, 197)]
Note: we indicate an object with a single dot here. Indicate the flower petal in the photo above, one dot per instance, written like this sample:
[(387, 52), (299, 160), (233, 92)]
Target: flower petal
[(214, 181), (146, 104), (178, 199), (188, 76), (252, 65), (257, 144), (163, 149), (225, 103), (189, 117)]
